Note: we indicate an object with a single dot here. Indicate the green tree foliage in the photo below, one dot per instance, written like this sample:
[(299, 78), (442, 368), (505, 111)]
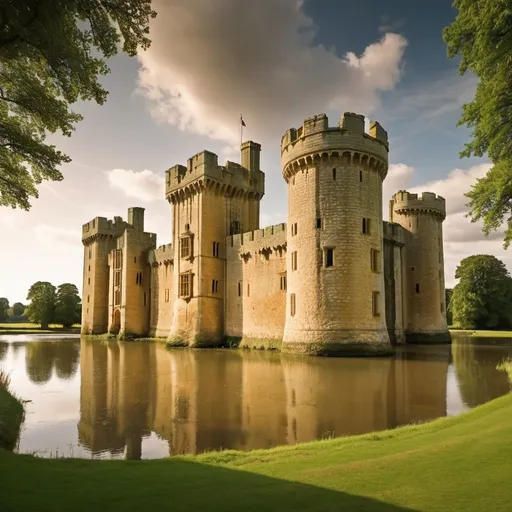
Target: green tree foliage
[(18, 309), (43, 299), (481, 35), (51, 55), (4, 307), (483, 297), (67, 308), (448, 299)]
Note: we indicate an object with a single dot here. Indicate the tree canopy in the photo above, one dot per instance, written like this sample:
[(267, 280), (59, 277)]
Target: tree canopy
[(52, 53), (18, 309), (481, 35), (4, 306), (482, 299), (43, 299), (67, 307)]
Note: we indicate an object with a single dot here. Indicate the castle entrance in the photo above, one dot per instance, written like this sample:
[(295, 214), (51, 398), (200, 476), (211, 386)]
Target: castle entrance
[(116, 322)]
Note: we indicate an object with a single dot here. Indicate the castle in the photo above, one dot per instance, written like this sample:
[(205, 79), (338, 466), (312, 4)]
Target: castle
[(335, 280)]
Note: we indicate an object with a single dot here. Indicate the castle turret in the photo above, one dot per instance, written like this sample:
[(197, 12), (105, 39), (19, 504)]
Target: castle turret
[(335, 282), (210, 202), (422, 216), (99, 237)]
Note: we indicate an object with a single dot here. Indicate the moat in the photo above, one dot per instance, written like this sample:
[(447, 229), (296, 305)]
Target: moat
[(98, 399)]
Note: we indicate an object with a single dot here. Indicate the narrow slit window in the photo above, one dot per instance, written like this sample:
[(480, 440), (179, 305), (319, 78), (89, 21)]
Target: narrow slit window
[(376, 303), (329, 257), (318, 223), (294, 260), (375, 260), (282, 283), (361, 176), (240, 288), (292, 304), (334, 174), (366, 226), (417, 288), (248, 290), (215, 286)]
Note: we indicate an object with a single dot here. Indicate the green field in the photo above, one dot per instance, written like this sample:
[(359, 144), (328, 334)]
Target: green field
[(28, 328), (452, 464), (483, 334)]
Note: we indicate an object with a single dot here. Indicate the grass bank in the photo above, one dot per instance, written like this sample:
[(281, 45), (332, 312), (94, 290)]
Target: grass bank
[(461, 463), (11, 415), (28, 328)]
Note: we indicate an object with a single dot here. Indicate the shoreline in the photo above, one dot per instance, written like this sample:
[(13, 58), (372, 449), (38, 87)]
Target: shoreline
[(12, 415)]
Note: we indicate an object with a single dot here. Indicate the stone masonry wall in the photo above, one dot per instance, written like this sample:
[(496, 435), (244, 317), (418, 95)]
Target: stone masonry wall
[(255, 300)]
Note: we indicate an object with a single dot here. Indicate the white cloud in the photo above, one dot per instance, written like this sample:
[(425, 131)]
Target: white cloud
[(56, 237), (209, 61), (144, 185), (399, 178)]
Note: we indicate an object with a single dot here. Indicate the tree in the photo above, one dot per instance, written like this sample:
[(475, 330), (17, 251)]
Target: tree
[(482, 35), (43, 299), (67, 308), (4, 306), (18, 309), (482, 299), (448, 299), (51, 55)]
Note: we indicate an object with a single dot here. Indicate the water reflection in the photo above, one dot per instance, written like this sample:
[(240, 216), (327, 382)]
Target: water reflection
[(4, 347), (475, 366), (135, 400), (45, 357)]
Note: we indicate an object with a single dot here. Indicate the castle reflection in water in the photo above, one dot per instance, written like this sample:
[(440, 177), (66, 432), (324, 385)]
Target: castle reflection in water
[(201, 401), (191, 401)]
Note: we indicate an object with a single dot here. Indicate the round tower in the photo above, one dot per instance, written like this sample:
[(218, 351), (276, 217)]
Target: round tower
[(422, 216), (335, 303)]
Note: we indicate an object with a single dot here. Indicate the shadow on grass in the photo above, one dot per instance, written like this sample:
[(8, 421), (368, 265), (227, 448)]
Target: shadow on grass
[(175, 484)]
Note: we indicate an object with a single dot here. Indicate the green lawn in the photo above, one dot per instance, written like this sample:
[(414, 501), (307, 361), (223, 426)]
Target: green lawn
[(483, 334), (452, 464), (28, 328)]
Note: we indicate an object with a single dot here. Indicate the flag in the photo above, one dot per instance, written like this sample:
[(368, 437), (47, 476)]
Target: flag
[(242, 121)]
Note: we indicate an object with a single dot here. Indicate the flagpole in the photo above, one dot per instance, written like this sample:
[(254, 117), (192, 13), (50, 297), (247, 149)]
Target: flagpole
[(241, 129)]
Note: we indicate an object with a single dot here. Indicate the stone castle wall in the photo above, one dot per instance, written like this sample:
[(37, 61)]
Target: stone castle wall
[(256, 286)]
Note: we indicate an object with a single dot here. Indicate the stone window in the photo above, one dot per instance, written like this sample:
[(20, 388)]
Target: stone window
[(215, 286), (89, 268), (216, 247), (294, 229), (138, 279), (89, 281), (117, 298), (334, 174), (417, 287), (185, 285), (135, 259), (292, 304), (248, 290), (328, 257), (361, 176), (187, 227), (234, 228), (376, 303), (282, 282), (88, 298), (185, 249), (90, 253), (239, 288), (375, 260), (118, 260), (366, 226), (167, 295), (318, 223), (294, 260)]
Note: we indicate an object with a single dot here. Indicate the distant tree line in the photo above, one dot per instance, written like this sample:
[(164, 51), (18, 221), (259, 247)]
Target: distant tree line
[(48, 305), (482, 299)]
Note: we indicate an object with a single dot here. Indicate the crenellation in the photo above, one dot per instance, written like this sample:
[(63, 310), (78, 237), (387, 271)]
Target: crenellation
[(335, 279)]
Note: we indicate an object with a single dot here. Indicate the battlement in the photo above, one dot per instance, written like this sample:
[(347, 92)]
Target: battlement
[(315, 136), (204, 167), (404, 202), (256, 235), (161, 255), (104, 226)]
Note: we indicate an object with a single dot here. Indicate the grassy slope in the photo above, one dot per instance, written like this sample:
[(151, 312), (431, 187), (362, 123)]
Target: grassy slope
[(11, 416), (462, 463), (483, 334)]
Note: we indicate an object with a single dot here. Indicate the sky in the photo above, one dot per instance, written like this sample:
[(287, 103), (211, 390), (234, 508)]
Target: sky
[(277, 62)]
